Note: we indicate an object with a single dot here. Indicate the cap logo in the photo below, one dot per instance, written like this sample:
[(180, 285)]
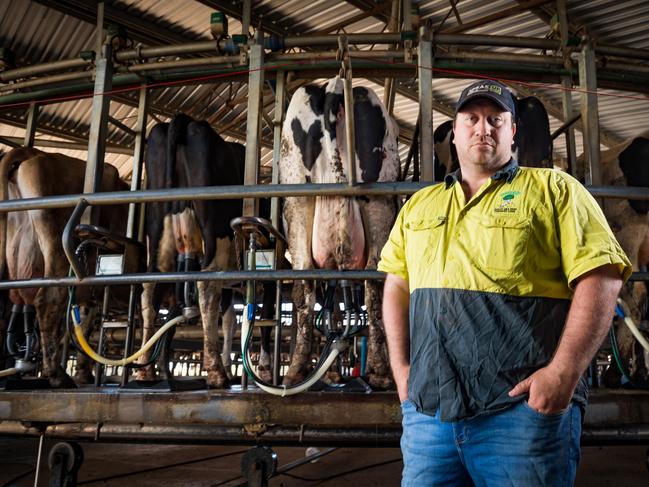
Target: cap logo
[(485, 87)]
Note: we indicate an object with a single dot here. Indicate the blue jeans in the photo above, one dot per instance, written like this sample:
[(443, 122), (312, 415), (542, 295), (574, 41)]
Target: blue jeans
[(517, 447)]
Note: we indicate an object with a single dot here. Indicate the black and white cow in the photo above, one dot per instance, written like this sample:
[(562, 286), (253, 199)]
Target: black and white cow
[(187, 153), (337, 232), (532, 141)]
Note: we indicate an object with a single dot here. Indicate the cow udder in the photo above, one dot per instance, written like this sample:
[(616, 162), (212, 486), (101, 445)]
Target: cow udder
[(338, 236)]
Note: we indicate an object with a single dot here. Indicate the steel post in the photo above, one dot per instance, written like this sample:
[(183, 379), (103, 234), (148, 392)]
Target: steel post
[(407, 15), (589, 114), (253, 127), (426, 105), (98, 125), (278, 120), (30, 128), (348, 91), (131, 227), (566, 83), (245, 17), (138, 158)]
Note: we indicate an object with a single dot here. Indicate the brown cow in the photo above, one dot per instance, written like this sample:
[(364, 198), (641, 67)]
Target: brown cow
[(625, 165), (30, 241)]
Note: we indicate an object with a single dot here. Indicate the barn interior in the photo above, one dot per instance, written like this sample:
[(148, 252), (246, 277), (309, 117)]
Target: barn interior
[(91, 79)]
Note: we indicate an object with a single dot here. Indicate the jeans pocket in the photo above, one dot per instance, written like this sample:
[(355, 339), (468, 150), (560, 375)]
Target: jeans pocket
[(405, 402), (539, 414)]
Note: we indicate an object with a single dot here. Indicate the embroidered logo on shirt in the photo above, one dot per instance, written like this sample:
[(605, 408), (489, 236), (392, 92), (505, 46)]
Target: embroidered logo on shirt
[(506, 203)]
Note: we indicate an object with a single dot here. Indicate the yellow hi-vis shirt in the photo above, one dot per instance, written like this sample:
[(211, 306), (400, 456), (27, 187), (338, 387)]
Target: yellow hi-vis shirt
[(490, 281)]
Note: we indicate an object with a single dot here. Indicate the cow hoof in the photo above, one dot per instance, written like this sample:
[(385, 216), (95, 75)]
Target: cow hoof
[(62, 381), (265, 374), (293, 379), (333, 378), (383, 382), (147, 373), (83, 378), (217, 380)]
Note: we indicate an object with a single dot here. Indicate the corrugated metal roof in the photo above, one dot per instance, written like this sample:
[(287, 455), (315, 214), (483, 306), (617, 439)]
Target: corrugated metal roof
[(40, 33)]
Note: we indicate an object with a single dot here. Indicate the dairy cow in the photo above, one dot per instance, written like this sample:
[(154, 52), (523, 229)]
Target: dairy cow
[(191, 235), (625, 165), (337, 232), (30, 242)]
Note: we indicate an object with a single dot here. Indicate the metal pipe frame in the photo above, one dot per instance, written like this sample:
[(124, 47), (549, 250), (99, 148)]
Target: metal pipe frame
[(253, 124), (30, 126), (27, 71), (266, 191), (227, 276), (98, 126), (171, 277), (589, 114), (387, 437), (60, 144), (566, 83), (254, 417), (543, 72), (301, 41), (425, 75)]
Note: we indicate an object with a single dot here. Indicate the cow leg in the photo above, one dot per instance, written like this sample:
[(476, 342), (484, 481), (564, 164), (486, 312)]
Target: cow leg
[(50, 308), (298, 214), (4, 302), (304, 301), (632, 236), (229, 321), (378, 215), (83, 374), (267, 313), (165, 256), (50, 303), (209, 298)]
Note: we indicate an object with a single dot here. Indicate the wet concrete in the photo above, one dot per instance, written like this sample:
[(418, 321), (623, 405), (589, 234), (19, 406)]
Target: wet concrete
[(147, 465)]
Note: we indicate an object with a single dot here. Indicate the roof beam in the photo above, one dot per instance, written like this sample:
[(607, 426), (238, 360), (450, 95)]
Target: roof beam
[(368, 7), (59, 144), (135, 23), (508, 12)]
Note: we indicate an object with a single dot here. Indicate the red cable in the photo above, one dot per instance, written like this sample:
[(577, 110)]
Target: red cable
[(162, 84)]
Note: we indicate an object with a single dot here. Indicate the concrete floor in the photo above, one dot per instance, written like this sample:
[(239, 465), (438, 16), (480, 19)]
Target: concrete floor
[(170, 465)]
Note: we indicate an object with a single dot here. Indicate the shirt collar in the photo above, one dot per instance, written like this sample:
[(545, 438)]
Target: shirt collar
[(507, 172)]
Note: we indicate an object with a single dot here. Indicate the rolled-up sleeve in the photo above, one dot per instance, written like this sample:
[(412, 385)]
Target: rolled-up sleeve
[(393, 256), (586, 240)]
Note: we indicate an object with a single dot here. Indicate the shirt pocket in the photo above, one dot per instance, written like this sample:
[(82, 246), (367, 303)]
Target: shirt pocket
[(424, 239), (501, 244)]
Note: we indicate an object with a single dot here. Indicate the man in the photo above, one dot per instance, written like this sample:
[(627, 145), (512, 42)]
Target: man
[(501, 286)]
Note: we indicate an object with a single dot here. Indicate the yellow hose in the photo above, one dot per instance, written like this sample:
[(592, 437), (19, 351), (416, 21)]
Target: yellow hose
[(78, 332), (8, 372)]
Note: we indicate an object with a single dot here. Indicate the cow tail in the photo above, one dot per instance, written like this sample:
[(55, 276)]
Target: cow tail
[(175, 137), (9, 162)]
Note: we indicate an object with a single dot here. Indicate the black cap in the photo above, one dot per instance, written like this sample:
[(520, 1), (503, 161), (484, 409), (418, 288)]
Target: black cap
[(487, 88)]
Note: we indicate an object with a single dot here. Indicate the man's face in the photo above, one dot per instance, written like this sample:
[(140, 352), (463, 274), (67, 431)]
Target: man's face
[(484, 134)]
